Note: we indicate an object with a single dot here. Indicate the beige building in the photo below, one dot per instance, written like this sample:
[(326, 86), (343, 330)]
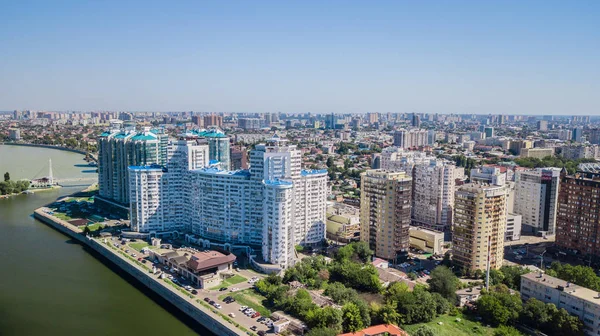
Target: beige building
[(430, 241), (479, 222), (385, 204), (579, 301), (343, 222), (538, 153)]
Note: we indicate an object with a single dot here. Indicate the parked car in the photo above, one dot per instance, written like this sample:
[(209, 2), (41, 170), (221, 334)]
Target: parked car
[(222, 289), (232, 315), (206, 299), (218, 306), (242, 308)]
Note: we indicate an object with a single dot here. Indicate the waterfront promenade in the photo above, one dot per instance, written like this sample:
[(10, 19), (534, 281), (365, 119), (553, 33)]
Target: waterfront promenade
[(191, 305)]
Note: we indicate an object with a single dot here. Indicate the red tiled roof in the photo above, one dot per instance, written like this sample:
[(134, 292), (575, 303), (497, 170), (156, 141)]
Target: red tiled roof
[(379, 330)]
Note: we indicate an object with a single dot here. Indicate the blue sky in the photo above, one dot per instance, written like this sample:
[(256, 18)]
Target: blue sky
[(513, 57)]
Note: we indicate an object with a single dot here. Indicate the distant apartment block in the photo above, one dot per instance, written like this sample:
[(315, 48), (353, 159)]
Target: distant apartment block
[(411, 138)]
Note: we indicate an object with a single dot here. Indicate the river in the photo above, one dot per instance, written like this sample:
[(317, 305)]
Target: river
[(52, 286)]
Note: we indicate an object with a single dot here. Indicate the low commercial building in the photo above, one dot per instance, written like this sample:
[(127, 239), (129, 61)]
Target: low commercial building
[(579, 301), (430, 241), (513, 227), (204, 269), (343, 222)]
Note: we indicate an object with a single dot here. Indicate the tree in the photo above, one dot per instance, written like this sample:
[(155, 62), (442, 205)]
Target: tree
[(416, 306), (6, 177), (443, 281), (496, 277), (393, 290), (363, 251), (321, 332), (580, 275), (352, 320), (565, 324), (499, 307), (424, 330), (385, 314), (330, 162), (340, 294), (86, 230), (327, 317), (506, 331), (537, 314), (512, 276)]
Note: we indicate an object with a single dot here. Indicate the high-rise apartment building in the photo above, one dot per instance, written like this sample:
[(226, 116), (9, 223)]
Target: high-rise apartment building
[(270, 208), (594, 137), (239, 158), (385, 207), (489, 175), (479, 226), (542, 125), (249, 123), (213, 120), (433, 194), (536, 196), (577, 220), (411, 138), (120, 148)]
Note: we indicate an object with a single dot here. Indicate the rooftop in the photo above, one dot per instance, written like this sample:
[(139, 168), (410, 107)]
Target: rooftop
[(562, 285), (217, 171), (278, 182), (208, 259), (153, 167), (381, 329), (313, 172)]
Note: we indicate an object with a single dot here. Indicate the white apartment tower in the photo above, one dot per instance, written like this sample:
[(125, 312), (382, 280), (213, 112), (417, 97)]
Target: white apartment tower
[(433, 195)]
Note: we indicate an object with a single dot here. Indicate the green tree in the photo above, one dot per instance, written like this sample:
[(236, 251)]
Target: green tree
[(512, 276), (385, 314), (327, 317), (340, 294), (506, 331), (363, 251), (416, 306), (321, 332), (6, 177), (565, 324), (443, 281), (499, 307), (580, 275), (537, 314), (393, 290), (330, 162), (424, 330), (352, 320), (496, 277)]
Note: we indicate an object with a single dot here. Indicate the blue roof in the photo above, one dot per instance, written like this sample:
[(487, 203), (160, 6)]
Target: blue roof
[(313, 172), (105, 134), (212, 162), (217, 171), (209, 134), (278, 182), (144, 137), (152, 167)]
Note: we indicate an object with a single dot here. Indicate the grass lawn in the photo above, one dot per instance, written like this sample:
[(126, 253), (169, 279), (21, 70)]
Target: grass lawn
[(138, 246), (62, 216), (251, 299), (236, 279), (452, 328)]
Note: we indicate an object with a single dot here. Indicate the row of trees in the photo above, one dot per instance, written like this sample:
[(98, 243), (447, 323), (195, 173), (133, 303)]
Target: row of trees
[(580, 275), (499, 307), (9, 186), (552, 161)]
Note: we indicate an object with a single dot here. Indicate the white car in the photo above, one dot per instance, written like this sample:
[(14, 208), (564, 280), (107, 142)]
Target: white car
[(218, 306), (242, 308)]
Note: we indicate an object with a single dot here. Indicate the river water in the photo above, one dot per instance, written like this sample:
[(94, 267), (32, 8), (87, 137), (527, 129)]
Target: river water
[(52, 286)]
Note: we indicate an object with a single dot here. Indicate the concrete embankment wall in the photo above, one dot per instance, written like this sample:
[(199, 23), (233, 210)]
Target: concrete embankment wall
[(205, 318)]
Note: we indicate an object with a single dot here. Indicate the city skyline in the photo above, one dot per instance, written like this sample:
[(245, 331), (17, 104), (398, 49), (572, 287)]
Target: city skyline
[(537, 58)]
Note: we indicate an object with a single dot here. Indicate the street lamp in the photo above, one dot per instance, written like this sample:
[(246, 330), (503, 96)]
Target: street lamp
[(542, 260)]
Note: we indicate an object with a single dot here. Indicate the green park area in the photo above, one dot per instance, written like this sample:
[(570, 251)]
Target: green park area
[(138, 246), (236, 279), (91, 227), (251, 299), (451, 326)]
